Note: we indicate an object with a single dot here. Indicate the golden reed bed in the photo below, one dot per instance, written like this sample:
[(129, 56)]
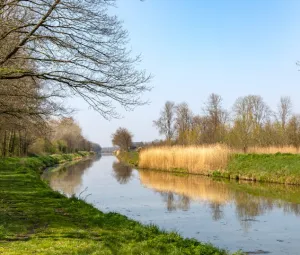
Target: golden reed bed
[(194, 159), (197, 159)]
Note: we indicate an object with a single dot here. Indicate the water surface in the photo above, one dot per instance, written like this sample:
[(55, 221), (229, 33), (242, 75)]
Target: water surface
[(256, 218)]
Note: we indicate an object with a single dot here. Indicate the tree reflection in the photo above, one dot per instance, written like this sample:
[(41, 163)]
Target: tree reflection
[(250, 199), (68, 179), (175, 202), (122, 172), (216, 211)]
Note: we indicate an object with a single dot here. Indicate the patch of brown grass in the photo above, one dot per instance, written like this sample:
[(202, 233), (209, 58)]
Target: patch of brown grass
[(191, 159)]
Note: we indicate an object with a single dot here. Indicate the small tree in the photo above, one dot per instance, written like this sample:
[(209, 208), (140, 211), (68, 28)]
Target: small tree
[(122, 138)]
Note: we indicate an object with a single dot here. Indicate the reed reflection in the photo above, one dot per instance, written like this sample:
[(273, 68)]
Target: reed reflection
[(250, 199), (122, 172)]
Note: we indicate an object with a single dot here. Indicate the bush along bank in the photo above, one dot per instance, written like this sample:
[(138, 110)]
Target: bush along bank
[(281, 168), (36, 219), (130, 158)]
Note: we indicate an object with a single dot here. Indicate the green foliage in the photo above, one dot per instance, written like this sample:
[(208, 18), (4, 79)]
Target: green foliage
[(36, 220), (129, 157), (216, 174), (180, 170), (50, 147), (62, 146)]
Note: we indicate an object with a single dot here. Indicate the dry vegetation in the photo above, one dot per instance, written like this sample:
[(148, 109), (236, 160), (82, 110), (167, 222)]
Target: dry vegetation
[(273, 150), (198, 159), (193, 159)]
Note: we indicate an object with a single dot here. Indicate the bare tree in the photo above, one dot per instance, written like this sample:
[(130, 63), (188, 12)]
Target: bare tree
[(122, 138), (284, 111), (293, 131), (217, 117), (74, 45), (251, 113), (183, 122), (165, 123)]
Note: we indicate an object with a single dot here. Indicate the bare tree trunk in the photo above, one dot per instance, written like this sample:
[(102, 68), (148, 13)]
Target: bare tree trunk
[(4, 145), (10, 141), (20, 143)]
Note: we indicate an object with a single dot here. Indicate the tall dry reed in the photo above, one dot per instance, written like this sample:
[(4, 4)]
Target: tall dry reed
[(193, 159)]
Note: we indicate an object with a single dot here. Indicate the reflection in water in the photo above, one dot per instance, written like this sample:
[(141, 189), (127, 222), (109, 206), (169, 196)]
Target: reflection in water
[(178, 190), (122, 172), (232, 215), (68, 179), (216, 211), (175, 201)]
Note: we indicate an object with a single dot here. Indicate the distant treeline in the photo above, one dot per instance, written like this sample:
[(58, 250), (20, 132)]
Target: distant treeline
[(250, 122), (53, 136)]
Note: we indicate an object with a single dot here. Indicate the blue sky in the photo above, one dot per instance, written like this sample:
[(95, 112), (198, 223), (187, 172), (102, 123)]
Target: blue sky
[(197, 47)]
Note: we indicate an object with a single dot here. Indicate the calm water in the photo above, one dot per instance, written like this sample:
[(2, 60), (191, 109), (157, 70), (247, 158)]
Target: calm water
[(259, 219)]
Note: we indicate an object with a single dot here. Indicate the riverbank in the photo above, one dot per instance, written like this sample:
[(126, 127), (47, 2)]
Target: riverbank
[(273, 168), (281, 168), (36, 219)]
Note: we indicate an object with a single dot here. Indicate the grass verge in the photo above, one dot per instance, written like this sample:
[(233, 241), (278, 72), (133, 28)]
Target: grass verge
[(275, 168), (36, 220)]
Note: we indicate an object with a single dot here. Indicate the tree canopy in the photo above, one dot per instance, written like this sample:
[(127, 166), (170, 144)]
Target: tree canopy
[(72, 46)]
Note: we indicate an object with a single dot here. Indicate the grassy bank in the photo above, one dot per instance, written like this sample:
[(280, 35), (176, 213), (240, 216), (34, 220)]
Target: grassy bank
[(219, 162), (62, 158), (36, 220), (276, 168)]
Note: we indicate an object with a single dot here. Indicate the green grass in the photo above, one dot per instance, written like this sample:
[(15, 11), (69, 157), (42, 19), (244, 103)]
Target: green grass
[(129, 157), (61, 158), (276, 168), (36, 220)]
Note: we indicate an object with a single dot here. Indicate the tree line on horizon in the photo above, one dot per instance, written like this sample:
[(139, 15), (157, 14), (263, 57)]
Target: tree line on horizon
[(251, 122)]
